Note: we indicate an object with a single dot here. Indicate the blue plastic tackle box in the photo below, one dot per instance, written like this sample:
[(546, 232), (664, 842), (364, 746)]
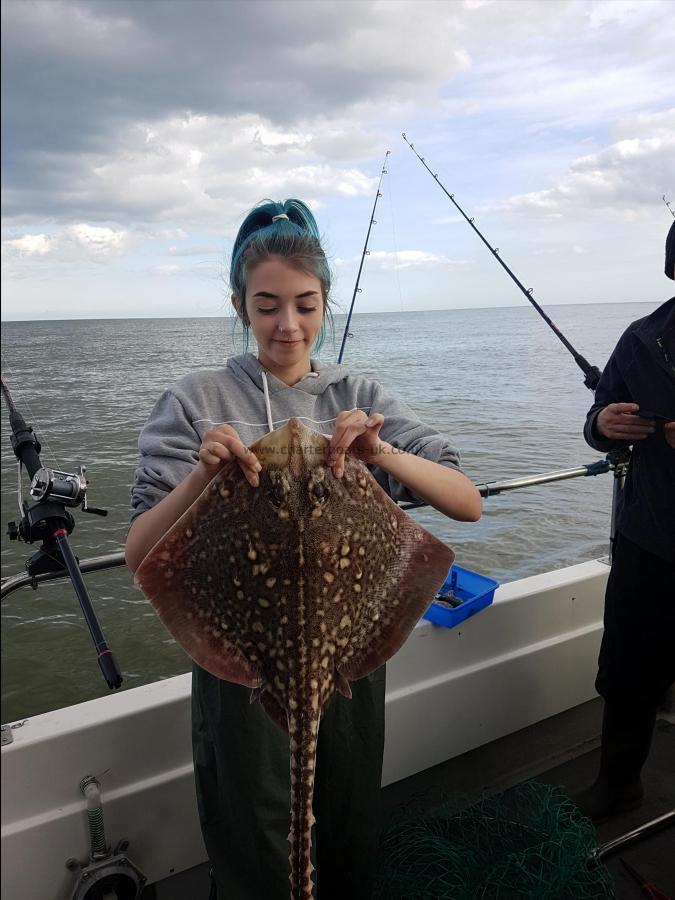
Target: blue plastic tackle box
[(473, 591)]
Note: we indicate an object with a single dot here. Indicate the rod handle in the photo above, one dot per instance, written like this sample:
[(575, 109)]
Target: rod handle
[(109, 668)]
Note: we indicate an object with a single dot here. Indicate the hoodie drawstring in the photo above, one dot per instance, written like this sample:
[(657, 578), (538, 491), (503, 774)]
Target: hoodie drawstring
[(266, 392), (268, 405)]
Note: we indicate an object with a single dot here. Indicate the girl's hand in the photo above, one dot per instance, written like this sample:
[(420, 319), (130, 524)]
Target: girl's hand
[(619, 421), (222, 444), (355, 429)]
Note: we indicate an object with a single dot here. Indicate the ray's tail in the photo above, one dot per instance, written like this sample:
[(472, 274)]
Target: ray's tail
[(304, 732)]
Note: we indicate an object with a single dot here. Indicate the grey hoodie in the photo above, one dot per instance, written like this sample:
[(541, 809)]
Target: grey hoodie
[(236, 395)]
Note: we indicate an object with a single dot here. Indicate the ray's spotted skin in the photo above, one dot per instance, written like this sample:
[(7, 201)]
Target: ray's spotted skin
[(294, 589)]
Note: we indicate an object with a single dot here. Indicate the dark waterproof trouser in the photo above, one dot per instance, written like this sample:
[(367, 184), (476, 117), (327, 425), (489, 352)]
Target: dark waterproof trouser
[(637, 662), (242, 772)]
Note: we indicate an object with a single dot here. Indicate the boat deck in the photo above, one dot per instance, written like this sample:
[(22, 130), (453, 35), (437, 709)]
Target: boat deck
[(491, 769), (494, 768), (653, 857)]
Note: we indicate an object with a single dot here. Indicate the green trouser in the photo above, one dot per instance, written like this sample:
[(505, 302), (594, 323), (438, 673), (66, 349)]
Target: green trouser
[(242, 773)]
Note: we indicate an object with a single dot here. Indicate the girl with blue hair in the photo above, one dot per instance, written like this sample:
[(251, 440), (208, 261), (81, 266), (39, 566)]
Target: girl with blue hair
[(280, 290)]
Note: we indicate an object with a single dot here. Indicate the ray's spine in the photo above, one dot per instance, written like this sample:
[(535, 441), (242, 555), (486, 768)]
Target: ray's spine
[(304, 733)]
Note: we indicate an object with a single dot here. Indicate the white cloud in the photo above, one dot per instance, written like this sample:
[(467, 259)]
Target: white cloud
[(620, 12), (404, 259), (648, 125), (206, 170), (341, 138), (29, 245), (98, 243), (274, 140), (558, 66), (625, 178), (77, 243), (196, 250)]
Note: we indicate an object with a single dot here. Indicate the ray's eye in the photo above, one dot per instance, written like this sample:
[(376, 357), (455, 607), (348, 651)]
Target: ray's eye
[(320, 492), (277, 495)]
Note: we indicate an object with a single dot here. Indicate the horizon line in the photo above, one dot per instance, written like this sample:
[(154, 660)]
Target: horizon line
[(377, 312)]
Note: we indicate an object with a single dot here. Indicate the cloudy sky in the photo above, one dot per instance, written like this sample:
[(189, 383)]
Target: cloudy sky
[(138, 133)]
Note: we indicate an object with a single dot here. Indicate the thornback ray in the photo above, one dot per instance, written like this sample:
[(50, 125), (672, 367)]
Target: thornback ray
[(294, 589)]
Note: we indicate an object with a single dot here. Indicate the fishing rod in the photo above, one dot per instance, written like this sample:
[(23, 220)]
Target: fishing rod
[(366, 252), (49, 521), (591, 373), (672, 212), (618, 459), (493, 488)]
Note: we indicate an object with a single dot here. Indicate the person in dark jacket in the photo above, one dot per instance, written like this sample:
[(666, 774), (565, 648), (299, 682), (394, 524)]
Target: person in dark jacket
[(635, 405)]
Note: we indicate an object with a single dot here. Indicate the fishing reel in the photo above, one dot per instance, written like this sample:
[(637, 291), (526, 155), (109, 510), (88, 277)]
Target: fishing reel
[(49, 521), (71, 490), (53, 491), (62, 487)]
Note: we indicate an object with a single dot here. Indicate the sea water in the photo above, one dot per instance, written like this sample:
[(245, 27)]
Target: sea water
[(497, 382)]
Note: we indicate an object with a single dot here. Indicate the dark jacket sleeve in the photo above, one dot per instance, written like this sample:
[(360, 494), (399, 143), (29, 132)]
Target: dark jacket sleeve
[(611, 388)]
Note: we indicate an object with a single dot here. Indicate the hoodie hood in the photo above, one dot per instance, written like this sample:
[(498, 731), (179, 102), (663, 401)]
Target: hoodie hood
[(248, 370)]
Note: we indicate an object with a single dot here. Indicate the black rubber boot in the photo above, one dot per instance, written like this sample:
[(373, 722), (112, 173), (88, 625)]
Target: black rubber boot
[(626, 739), (213, 892)]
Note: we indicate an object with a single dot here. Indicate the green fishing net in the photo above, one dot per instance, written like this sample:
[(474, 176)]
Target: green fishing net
[(528, 842)]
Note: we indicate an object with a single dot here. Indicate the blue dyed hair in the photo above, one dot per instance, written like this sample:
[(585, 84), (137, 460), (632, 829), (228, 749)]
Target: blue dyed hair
[(295, 240)]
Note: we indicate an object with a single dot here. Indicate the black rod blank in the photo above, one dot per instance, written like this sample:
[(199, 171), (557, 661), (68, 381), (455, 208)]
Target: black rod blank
[(363, 256), (591, 373)]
